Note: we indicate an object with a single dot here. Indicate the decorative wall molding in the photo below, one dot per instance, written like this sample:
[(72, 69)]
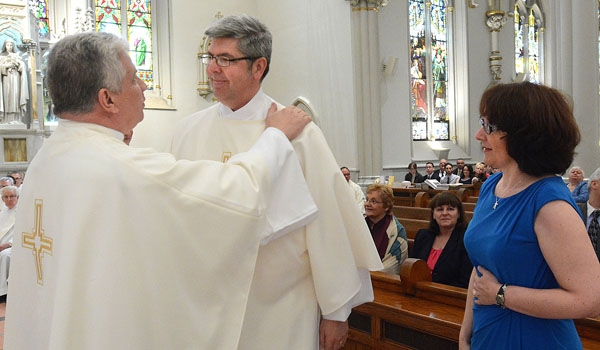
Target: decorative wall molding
[(367, 5)]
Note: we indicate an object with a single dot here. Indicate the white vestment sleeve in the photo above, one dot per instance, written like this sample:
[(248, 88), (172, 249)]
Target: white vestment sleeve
[(290, 205), (364, 293)]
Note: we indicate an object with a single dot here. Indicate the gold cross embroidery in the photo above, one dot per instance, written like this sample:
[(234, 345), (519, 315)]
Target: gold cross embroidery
[(226, 156), (37, 242)]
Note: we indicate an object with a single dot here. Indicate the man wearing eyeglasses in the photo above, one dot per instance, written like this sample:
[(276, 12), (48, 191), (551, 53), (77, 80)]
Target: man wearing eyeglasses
[(315, 275)]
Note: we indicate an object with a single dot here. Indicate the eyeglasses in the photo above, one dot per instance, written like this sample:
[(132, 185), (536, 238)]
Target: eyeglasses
[(372, 202), (221, 60), (9, 197), (487, 127)]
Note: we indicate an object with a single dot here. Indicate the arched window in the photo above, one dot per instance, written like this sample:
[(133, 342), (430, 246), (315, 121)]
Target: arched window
[(40, 10), (529, 30), (135, 21), (429, 57)]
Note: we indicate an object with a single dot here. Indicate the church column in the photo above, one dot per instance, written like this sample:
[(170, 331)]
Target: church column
[(367, 65)]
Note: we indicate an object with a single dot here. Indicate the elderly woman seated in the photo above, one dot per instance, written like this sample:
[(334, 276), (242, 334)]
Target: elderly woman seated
[(578, 187), (441, 245), (388, 234)]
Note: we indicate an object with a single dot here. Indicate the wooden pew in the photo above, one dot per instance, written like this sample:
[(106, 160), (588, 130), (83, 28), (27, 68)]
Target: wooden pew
[(411, 312), (411, 196), (469, 206), (412, 226), (471, 199), (420, 213)]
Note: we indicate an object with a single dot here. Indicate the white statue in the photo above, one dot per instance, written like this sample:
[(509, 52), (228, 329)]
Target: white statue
[(15, 93)]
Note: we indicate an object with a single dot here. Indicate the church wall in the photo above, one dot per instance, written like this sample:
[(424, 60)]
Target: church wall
[(395, 86), (584, 82), (312, 58)]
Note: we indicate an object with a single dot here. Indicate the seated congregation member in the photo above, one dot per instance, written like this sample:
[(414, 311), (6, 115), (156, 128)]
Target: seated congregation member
[(480, 174), (430, 172), (460, 165), (578, 187), (413, 175), (441, 245), (448, 177), (590, 211), (466, 177), (388, 234), (7, 181), (357, 192), (10, 198)]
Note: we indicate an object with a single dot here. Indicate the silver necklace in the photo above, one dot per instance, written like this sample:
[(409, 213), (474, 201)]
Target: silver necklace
[(496, 204)]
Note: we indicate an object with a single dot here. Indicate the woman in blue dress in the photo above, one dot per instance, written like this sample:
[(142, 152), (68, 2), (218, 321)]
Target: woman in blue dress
[(535, 268)]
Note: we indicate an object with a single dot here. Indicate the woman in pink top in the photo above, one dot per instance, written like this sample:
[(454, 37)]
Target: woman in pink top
[(441, 245)]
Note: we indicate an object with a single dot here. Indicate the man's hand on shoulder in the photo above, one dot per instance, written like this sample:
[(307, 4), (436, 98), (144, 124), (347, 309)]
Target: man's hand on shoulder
[(290, 120)]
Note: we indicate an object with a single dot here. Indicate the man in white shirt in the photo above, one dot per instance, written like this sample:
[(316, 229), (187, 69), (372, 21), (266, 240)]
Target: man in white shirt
[(125, 248), (359, 195), (307, 282), (449, 178)]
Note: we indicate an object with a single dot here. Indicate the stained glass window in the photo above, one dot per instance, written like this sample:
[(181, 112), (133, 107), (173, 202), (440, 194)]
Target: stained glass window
[(528, 40), (131, 19), (40, 9), (428, 71)]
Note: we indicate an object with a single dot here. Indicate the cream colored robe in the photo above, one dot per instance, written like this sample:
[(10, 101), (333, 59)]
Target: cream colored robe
[(138, 251), (359, 195), (321, 268)]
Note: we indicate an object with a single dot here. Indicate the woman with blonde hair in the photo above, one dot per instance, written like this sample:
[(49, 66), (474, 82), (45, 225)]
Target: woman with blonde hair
[(388, 234)]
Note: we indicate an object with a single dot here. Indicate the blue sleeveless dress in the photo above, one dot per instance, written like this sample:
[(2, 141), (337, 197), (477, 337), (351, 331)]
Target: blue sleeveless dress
[(503, 241)]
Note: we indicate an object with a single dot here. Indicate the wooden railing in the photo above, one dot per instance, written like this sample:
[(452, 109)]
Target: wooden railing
[(418, 197), (411, 312)]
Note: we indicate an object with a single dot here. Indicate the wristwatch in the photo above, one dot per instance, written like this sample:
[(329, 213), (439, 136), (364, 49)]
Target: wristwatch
[(500, 296)]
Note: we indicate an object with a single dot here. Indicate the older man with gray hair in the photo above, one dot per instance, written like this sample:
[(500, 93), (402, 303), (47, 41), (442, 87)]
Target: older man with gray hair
[(591, 210)]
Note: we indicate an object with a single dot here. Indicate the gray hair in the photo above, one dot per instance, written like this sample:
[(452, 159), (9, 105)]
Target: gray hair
[(80, 65), (578, 168), (8, 178), (12, 189), (595, 176), (254, 38)]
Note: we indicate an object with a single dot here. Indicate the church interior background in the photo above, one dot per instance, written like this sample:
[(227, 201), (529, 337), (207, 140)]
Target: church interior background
[(388, 81)]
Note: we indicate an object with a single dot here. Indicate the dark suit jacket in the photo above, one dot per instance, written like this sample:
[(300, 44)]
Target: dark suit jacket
[(418, 178), (437, 176), (454, 266), (433, 176), (583, 210)]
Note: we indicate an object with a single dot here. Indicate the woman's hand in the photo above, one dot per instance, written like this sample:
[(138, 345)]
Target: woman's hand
[(485, 287)]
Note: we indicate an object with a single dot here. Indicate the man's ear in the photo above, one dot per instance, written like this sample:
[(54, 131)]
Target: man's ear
[(106, 102), (259, 66)]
